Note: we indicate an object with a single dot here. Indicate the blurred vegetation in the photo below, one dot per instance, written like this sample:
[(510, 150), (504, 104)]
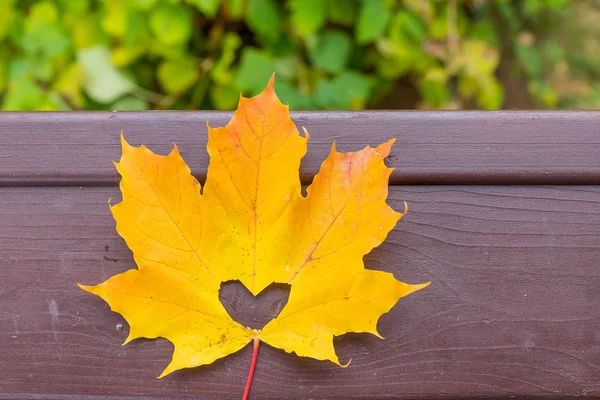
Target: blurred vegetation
[(327, 54)]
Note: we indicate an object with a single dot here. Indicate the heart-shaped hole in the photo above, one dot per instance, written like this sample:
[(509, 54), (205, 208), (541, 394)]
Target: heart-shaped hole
[(250, 311)]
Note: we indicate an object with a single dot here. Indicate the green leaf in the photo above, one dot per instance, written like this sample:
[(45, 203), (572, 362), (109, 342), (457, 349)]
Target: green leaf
[(42, 33), (143, 4), (373, 18), (308, 16), (342, 12), (171, 24), (103, 82), (30, 68), (326, 97), (349, 90), (123, 56), (255, 70), (531, 59), (288, 94), (17, 27), (206, 7), (23, 94), (423, 8), (235, 8), (434, 87), (467, 86), (7, 4), (138, 33), (532, 7), (73, 7), (115, 21), (402, 60), (289, 67), (557, 4), (3, 75), (544, 93), (224, 97), (221, 72), (403, 49), (87, 32), (19, 68), (332, 52), (554, 51), (285, 46), (7, 16), (135, 42), (42, 13), (406, 26), (175, 76), (263, 18), (69, 84), (438, 29), (481, 59), (354, 87), (485, 31), (53, 101), (491, 94), (130, 103), (44, 69)]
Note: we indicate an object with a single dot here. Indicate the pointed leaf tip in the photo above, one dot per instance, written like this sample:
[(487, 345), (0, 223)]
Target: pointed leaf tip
[(129, 338), (125, 146), (164, 373), (123, 140), (167, 371), (271, 84), (87, 288), (405, 209), (385, 148), (269, 90), (306, 134), (408, 288)]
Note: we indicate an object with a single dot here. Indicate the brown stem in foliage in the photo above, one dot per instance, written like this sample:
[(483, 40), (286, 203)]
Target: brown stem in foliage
[(252, 366)]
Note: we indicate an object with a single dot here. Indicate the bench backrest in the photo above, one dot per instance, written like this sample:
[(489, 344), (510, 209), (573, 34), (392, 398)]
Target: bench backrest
[(504, 220)]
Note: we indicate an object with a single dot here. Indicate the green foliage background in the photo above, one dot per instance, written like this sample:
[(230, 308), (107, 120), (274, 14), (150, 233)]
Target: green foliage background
[(327, 54)]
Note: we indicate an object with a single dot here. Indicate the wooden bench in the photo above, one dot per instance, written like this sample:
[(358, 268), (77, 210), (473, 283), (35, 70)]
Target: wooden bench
[(504, 220)]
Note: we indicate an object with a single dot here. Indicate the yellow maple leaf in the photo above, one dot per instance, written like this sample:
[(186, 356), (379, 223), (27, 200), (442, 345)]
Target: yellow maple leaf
[(251, 223)]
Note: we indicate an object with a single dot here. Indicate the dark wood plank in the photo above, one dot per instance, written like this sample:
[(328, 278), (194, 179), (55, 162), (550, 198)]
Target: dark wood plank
[(512, 310), (433, 147)]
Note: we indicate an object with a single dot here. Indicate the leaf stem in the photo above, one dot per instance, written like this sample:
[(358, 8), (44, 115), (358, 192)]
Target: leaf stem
[(252, 366)]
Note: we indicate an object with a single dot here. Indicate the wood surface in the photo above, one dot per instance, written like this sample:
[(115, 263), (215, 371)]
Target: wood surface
[(503, 147), (512, 311)]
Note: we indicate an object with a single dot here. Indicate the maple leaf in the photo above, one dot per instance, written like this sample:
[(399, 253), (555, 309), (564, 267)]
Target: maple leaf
[(251, 223)]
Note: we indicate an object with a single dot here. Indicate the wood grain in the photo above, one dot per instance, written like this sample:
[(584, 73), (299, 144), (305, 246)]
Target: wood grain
[(512, 309), (433, 147)]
